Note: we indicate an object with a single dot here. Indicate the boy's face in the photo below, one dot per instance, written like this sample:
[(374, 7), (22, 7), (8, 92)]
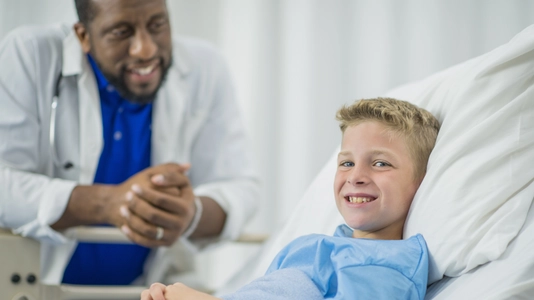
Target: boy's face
[(374, 184)]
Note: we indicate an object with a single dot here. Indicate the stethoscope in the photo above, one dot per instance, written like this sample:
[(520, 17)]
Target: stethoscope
[(52, 132)]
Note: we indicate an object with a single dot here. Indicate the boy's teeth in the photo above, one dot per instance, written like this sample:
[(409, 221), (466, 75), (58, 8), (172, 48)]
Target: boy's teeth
[(359, 199)]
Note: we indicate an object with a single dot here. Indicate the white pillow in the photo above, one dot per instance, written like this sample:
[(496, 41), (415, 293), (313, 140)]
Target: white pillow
[(479, 183), (511, 276)]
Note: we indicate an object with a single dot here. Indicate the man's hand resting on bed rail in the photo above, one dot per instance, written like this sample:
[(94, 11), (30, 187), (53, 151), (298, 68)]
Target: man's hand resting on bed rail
[(177, 291), (163, 198), (159, 196)]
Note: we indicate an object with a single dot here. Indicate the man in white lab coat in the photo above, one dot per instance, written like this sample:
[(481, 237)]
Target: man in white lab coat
[(114, 122)]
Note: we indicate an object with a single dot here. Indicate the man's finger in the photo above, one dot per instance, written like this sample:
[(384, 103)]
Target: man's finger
[(166, 202), (171, 177), (153, 217), (139, 239)]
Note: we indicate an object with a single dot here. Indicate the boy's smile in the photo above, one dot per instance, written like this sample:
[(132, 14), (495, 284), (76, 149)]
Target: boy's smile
[(374, 184)]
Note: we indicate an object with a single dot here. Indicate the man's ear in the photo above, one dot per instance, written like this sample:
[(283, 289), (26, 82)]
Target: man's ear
[(83, 36)]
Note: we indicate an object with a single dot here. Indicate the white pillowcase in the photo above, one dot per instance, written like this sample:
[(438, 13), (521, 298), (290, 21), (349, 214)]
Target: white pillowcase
[(479, 184), (511, 276)]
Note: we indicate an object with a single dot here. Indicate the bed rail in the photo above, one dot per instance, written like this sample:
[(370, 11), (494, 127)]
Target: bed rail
[(19, 278)]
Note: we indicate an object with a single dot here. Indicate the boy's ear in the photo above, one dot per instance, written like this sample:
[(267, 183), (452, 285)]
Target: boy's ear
[(83, 36)]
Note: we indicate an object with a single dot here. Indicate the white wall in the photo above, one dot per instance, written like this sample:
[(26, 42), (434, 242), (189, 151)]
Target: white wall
[(14, 13)]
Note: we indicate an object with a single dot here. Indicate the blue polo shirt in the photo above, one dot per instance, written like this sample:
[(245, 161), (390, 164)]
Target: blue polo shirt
[(126, 151)]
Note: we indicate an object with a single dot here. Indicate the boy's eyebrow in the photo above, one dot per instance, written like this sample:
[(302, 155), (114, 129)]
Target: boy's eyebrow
[(343, 153), (374, 152), (380, 152), (392, 156), (385, 152)]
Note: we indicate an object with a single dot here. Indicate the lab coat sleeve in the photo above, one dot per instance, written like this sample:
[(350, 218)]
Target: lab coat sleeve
[(222, 163), (29, 201)]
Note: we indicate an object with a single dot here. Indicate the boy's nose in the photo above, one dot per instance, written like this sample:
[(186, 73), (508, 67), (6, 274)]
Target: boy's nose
[(358, 176), (356, 182)]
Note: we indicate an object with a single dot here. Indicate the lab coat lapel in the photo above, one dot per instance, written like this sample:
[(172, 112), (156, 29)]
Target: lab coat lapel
[(90, 124), (91, 140), (168, 115), (170, 112)]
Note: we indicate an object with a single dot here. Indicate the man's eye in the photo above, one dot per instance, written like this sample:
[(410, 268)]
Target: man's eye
[(120, 32), (157, 25)]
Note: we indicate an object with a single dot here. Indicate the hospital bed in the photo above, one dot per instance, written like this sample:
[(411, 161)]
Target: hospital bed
[(20, 260), (474, 207)]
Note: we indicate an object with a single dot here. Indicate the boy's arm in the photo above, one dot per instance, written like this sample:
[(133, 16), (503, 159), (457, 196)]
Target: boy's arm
[(180, 291)]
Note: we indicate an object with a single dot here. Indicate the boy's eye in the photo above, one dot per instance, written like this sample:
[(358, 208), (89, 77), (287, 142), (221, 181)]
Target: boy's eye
[(381, 164), (347, 164)]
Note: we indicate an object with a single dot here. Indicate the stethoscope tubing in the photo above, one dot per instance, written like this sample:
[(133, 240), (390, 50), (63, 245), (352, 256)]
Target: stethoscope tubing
[(52, 132)]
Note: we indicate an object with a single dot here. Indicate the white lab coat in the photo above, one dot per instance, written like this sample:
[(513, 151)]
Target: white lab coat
[(195, 119)]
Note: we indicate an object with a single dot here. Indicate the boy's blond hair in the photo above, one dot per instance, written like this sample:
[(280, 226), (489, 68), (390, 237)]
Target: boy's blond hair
[(418, 126)]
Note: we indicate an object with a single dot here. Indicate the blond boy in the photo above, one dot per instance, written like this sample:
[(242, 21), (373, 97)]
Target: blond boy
[(384, 152)]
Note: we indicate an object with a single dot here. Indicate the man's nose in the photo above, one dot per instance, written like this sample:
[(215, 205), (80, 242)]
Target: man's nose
[(143, 46)]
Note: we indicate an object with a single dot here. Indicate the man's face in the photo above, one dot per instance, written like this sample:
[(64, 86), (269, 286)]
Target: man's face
[(374, 184), (130, 40)]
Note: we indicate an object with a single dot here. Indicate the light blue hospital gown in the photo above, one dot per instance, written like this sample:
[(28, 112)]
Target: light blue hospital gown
[(341, 267)]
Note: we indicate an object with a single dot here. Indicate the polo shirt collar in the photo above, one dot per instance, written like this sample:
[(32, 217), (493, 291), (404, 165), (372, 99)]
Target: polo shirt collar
[(101, 80)]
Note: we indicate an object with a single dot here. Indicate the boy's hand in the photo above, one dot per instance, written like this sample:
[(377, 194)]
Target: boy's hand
[(177, 291), (156, 292)]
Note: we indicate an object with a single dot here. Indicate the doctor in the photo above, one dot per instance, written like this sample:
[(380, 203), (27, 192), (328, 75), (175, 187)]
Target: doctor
[(114, 122)]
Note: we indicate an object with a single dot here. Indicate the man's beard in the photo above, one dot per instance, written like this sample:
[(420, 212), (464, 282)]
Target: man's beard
[(120, 86)]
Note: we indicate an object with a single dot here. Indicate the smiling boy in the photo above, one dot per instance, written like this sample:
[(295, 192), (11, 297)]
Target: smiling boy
[(384, 152)]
